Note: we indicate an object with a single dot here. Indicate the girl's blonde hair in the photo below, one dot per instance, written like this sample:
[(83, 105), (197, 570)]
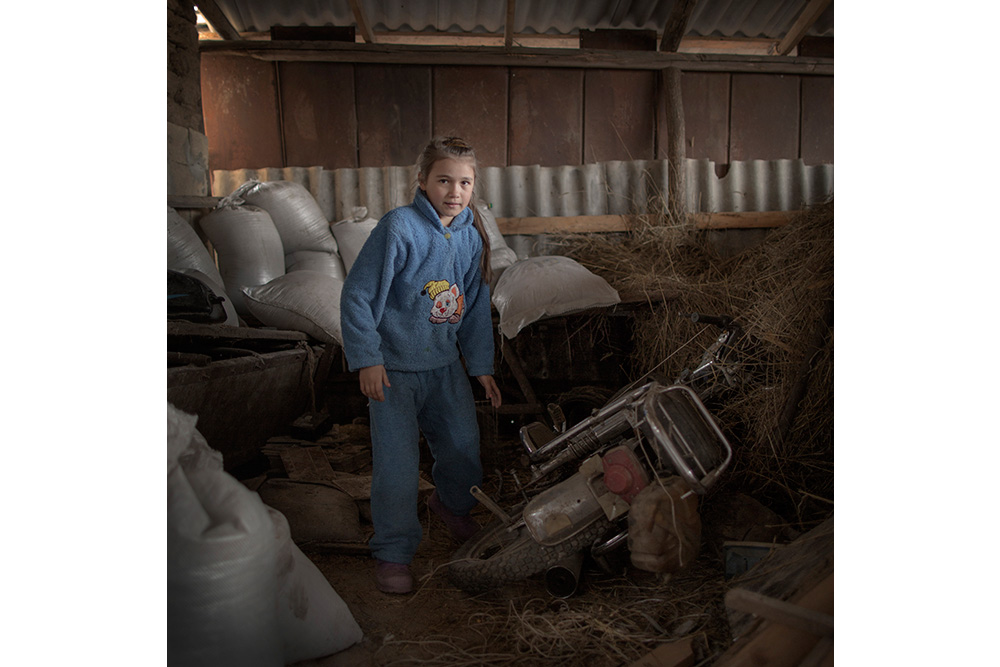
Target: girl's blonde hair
[(441, 148)]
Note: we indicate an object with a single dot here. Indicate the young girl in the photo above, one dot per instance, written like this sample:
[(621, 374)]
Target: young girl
[(417, 301)]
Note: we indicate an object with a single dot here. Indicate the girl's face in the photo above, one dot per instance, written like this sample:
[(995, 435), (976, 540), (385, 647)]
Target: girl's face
[(448, 186)]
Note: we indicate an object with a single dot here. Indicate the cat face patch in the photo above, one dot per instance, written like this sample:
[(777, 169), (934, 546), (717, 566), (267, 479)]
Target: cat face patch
[(448, 302)]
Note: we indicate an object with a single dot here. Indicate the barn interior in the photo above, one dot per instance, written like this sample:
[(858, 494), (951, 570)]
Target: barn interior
[(676, 156)]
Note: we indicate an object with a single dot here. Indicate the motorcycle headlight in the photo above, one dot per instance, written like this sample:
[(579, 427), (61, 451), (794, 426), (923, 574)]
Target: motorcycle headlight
[(685, 435)]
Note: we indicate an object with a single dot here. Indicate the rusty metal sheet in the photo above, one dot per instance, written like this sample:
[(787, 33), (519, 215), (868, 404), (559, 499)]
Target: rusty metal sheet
[(318, 114), (394, 113), (619, 115), (817, 119), (764, 117), (546, 116), (471, 102), (706, 117), (240, 103)]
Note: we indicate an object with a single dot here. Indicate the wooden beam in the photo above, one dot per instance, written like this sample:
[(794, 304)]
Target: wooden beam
[(802, 24), (515, 57), (676, 143), (589, 224), (362, 21), (743, 220), (508, 26), (676, 26), (786, 613), (217, 19)]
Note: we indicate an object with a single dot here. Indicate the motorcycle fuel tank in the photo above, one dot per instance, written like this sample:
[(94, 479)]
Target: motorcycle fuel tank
[(563, 510)]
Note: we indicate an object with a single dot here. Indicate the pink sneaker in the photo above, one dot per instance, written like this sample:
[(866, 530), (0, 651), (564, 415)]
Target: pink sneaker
[(461, 527), (393, 577)]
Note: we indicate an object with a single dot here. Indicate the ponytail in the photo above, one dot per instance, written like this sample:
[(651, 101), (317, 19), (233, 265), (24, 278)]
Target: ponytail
[(485, 257)]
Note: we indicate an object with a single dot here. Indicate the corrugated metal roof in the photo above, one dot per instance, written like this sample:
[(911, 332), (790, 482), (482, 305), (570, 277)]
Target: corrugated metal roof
[(592, 189), (766, 19)]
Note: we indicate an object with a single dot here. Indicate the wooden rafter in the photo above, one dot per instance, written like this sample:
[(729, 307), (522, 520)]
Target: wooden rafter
[(362, 21), (508, 26), (677, 22), (515, 57), (217, 19), (809, 15)]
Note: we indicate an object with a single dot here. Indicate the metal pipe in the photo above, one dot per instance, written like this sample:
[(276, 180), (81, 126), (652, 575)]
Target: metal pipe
[(562, 579)]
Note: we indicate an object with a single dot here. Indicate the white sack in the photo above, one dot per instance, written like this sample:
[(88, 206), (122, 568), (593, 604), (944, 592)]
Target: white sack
[(351, 235), (239, 591), (232, 319), (221, 559), (185, 249), (249, 248), (539, 287), (314, 621), (315, 260), (306, 301), (296, 214)]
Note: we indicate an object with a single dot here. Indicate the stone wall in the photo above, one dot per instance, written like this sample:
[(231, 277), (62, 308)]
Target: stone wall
[(187, 145)]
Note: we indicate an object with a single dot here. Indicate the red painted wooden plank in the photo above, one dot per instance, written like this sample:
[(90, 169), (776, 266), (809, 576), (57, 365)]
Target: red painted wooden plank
[(817, 119), (619, 115), (471, 102), (318, 114), (546, 116), (764, 117), (394, 113), (240, 103), (706, 117)]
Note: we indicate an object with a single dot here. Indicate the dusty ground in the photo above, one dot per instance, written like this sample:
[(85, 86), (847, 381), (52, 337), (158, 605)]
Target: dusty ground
[(612, 620)]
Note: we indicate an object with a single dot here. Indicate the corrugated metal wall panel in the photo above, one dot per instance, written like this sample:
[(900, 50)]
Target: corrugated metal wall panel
[(593, 189), (735, 18)]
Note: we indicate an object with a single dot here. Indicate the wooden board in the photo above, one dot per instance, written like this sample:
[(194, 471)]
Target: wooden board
[(765, 117), (618, 116), (240, 103), (706, 117), (546, 116), (394, 113), (587, 224), (471, 102), (318, 114), (817, 119)]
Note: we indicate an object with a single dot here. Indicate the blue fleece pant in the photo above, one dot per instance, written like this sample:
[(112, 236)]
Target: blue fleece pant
[(440, 404)]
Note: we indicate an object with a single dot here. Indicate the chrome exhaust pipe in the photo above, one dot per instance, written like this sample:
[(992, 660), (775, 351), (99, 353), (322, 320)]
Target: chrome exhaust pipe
[(562, 579)]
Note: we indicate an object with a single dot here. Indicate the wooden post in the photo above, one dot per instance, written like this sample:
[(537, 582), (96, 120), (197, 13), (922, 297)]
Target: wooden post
[(676, 153)]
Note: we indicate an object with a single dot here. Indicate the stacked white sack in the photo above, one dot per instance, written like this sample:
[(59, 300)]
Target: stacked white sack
[(306, 301), (249, 248), (352, 233), (188, 255), (239, 591), (305, 232)]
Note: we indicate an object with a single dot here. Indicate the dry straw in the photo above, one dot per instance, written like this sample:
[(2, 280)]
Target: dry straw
[(781, 290)]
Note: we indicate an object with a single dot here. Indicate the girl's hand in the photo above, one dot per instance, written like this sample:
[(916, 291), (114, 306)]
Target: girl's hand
[(492, 390), (372, 379)]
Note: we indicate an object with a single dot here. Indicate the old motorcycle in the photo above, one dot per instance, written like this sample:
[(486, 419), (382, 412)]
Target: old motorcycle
[(608, 482)]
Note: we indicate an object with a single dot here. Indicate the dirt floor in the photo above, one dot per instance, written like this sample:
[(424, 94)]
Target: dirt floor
[(613, 619)]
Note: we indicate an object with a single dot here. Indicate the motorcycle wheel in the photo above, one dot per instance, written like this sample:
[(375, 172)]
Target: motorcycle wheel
[(493, 556)]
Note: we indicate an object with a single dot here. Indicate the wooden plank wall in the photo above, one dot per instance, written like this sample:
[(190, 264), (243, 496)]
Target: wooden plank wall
[(262, 114)]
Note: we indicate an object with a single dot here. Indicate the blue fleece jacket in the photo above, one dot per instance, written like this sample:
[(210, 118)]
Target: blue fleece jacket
[(415, 298)]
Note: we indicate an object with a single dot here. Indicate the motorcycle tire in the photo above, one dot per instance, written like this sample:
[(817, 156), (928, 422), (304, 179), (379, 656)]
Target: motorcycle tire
[(494, 557)]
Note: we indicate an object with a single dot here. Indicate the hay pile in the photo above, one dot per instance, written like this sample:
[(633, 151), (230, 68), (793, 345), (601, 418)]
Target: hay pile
[(781, 291)]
